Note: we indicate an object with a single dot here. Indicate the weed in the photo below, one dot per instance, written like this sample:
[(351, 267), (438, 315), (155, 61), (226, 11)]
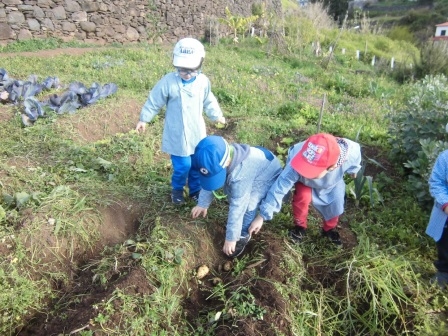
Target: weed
[(362, 188)]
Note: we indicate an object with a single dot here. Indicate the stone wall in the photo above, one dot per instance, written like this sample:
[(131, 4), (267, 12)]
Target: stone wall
[(122, 21)]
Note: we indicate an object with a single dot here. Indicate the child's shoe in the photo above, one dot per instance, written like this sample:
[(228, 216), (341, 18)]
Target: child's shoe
[(240, 245), (333, 235), (195, 196), (177, 197), (297, 234), (441, 279)]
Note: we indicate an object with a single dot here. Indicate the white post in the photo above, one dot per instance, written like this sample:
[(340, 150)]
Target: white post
[(343, 51), (373, 60), (330, 49), (252, 31), (357, 54), (392, 63)]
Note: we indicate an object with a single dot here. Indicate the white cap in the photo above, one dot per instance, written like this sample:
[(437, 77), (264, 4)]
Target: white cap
[(188, 53)]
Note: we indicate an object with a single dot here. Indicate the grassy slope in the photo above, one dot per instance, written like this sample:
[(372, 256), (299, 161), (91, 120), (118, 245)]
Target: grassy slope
[(269, 99)]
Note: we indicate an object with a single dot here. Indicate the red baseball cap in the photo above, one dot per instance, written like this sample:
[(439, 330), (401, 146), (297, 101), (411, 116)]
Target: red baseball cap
[(319, 152)]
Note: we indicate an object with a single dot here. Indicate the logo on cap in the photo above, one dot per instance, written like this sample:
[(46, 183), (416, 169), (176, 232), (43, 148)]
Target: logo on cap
[(313, 153), (203, 171), (188, 51)]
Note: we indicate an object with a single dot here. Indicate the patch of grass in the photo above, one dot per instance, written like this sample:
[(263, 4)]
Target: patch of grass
[(21, 292), (41, 44), (162, 260)]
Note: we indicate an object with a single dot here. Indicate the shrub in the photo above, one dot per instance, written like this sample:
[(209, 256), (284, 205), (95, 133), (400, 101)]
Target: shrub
[(417, 131), (433, 59), (401, 33)]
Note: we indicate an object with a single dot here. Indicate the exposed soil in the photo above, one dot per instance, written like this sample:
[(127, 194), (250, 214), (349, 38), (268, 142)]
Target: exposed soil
[(120, 222)]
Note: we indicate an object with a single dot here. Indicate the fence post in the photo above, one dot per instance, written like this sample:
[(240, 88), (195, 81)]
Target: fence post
[(321, 113), (343, 51), (392, 63), (357, 55), (373, 60)]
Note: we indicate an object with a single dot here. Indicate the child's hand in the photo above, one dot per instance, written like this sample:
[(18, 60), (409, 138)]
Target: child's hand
[(229, 247), (198, 211), (446, 210), (141, 126), (256, 225)]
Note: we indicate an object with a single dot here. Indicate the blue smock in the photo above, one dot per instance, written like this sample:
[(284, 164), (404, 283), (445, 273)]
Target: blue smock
[(438, 187), (327, 192), (184, 124)]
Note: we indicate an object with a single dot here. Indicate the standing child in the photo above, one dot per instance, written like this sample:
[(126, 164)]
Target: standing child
[(316, 169), (186, 93), (438, 222), (245, 172)]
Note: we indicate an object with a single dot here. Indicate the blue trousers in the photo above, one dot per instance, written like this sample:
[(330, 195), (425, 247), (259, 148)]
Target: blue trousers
[(183, 173), (442, 251)]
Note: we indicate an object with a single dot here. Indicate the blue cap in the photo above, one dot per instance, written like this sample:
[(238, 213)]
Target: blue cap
[(210, 156)]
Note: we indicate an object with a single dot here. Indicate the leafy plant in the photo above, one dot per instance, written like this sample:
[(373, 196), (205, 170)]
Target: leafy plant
[(21, 198), (237, 24), (362, 188), (421, 170), (238, 303), (417, 131)]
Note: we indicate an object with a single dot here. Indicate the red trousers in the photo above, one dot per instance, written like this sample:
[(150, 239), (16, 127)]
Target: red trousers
[(300, 206)]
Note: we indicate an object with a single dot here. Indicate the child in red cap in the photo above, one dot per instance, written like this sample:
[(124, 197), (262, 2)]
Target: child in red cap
[(315, 168)]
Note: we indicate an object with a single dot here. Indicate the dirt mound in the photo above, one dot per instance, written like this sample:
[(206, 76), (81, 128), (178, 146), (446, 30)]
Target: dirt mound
[(99, 121), (247, 286)]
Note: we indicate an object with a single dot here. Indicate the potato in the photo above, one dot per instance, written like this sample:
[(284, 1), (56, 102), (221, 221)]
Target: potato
[(202, 271), (227, 266), (215, 281)]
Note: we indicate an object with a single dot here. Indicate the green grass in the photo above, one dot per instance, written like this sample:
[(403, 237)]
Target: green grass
[(42, 44), (269, 98)]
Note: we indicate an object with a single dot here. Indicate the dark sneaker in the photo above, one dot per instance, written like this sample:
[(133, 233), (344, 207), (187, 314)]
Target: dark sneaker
[(195, 196), (240, 245), (333, 235), (441, 279), (177, 197), (297, 234)]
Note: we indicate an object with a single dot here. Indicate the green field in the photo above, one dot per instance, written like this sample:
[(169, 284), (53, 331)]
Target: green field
[(90, 243)]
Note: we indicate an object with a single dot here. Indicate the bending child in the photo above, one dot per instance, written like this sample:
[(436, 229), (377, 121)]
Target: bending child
[(315, 168), (245, 173)]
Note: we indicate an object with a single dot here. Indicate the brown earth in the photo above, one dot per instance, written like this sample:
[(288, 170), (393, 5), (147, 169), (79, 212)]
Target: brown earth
[(119, 224)]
